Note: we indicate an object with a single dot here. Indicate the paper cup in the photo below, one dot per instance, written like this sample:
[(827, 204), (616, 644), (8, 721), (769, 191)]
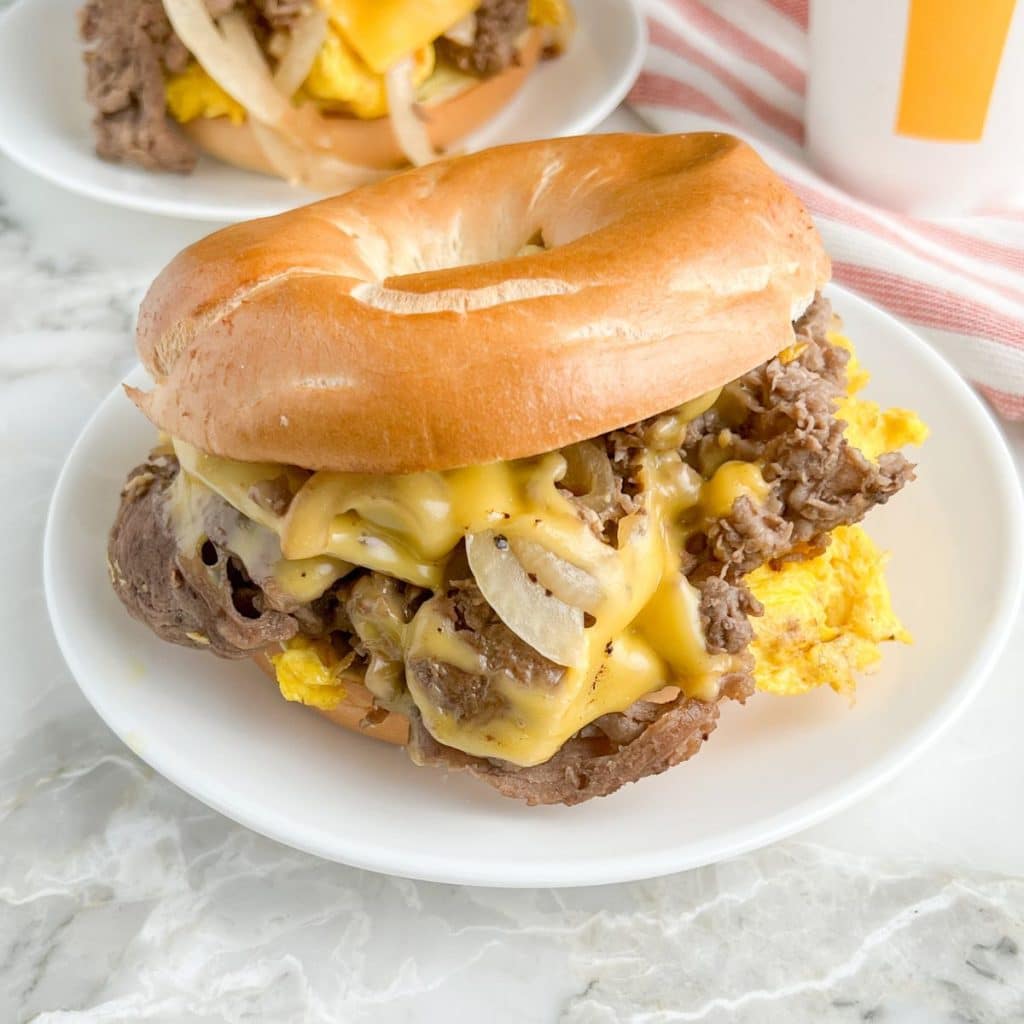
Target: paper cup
[(919, 104)]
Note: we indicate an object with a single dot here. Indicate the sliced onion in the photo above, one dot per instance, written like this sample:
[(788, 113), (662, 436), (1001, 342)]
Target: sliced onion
[(568, 582), (278, 43), (306, 127), (229, 64), (550, 626), (315, 170), (463, 32), (238, 34), (297, 164), (589, 475), (410, 132), (307, 38)]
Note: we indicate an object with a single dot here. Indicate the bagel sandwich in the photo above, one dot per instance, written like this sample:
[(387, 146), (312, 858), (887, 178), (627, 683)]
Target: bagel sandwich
[(524, 461), (327, 94)]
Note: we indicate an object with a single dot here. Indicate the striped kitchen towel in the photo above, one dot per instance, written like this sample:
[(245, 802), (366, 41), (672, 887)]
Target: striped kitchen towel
[(738, 66)]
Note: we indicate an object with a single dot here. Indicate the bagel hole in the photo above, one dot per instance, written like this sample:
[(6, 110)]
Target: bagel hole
[(446, 252)]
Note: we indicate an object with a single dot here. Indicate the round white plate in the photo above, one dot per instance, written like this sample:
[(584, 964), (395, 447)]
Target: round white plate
[(47, 129), (220, 731)]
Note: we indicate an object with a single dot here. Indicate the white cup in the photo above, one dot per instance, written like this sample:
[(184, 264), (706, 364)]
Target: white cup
[(918, 105)]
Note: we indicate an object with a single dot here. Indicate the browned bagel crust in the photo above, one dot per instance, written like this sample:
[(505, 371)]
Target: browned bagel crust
[(356, 711), (395, 328)]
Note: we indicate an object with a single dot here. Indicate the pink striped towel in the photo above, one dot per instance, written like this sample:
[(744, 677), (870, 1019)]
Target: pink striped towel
[(738, 65)]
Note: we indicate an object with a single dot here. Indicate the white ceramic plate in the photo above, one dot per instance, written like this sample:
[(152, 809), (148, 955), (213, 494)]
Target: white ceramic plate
[(220, 731), (47, 129)]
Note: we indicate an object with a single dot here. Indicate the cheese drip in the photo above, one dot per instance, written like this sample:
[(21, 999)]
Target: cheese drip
[(642, 634)]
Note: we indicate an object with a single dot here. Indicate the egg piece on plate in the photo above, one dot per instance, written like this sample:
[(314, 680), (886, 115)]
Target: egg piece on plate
[(825, 618)]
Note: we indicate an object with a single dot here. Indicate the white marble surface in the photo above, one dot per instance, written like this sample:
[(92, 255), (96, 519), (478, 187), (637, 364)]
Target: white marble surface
[(123, 900)]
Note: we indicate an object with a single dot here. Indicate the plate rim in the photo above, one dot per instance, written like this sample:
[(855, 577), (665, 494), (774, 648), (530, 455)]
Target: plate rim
[(603, 869), (614, 94)]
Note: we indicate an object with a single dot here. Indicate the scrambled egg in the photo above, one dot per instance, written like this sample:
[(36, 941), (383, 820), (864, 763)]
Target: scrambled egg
[(310, 671), (869, 427), (193, 93), (825, 618), (339, 78)]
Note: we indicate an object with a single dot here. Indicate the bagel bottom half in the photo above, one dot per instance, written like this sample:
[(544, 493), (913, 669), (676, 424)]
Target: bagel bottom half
[(371, 142), (354, 711)]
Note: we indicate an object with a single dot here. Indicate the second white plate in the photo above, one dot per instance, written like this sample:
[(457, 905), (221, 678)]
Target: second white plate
[(220, 730), (47, 128)]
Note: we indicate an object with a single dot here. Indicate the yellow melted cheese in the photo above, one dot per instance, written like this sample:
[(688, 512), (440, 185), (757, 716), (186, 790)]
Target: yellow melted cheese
[(646, 630), (253, 536), (732, 480), (384, 31), (824, 617)]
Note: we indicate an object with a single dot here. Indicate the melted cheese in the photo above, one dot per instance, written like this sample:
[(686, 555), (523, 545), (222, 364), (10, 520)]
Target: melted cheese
[(732, 480), (252, 536), (645, 631), (407, 526), (824, 617), (384, 31)]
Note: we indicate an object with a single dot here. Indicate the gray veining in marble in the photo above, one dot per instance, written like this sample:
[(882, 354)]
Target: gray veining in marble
[(127, 900)]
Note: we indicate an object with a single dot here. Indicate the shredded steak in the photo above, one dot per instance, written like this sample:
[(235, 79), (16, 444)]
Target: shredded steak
[(465, 695), (498, 25), (645, 740), (201, 598), (724, 608), (782, 413), (129, 46)]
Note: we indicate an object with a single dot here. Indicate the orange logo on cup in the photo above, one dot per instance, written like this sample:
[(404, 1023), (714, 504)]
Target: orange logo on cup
[(950, 63)]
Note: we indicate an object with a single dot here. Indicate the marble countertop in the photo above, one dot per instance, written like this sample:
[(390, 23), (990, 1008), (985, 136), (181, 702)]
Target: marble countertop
[(124, 900)]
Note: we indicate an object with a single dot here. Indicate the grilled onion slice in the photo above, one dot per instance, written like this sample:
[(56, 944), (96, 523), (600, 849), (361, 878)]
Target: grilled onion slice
[(550, 626)]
